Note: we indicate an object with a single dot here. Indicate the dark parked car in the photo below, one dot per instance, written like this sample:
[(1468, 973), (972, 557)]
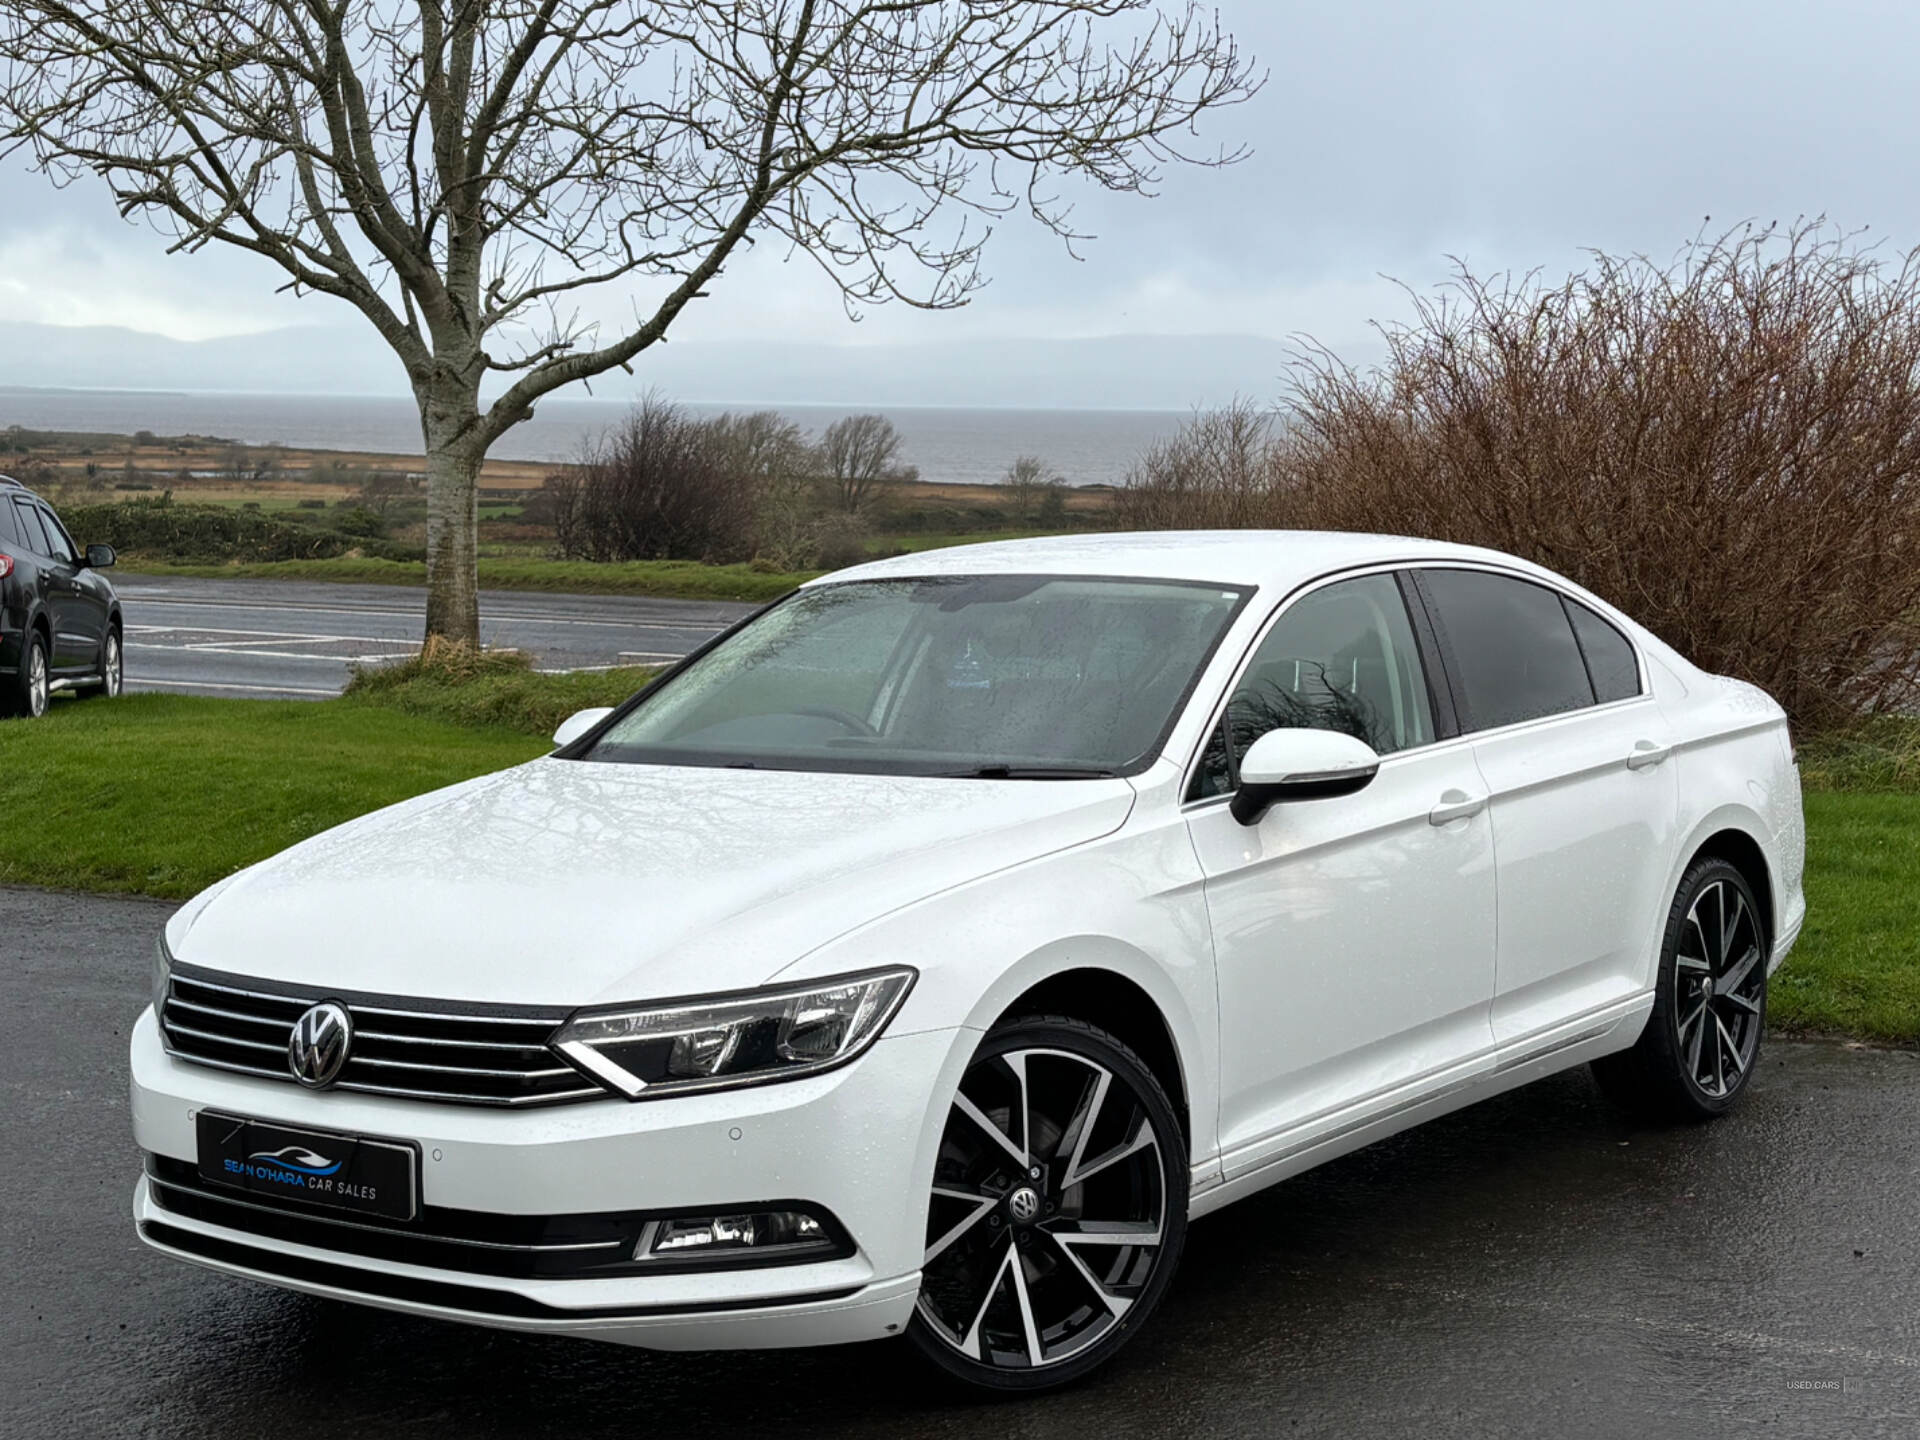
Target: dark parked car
[(60, 625)]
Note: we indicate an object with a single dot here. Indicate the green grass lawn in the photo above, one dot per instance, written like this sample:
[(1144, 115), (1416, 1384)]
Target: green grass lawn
[(164, 794), (667, 579), (1856, 970), (512, 566)]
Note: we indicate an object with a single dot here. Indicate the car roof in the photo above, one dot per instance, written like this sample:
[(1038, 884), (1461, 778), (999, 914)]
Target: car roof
[(1268, 559)]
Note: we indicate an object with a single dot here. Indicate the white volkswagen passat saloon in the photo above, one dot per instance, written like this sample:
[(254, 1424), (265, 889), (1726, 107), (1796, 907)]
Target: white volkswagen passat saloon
[(920, 957)]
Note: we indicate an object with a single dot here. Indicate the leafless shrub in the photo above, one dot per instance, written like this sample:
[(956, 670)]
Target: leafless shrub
[(861, 457), (385, 491), (1727, 447), (1035, 490), (660, 486), (1219, 472)]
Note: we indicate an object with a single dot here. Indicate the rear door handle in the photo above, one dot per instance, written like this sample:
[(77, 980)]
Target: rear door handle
[(1646, 755), (1456, 805)]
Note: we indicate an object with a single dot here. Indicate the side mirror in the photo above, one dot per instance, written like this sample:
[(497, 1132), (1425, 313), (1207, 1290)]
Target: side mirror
[(1286, 765), (100, 557), (577, 724)]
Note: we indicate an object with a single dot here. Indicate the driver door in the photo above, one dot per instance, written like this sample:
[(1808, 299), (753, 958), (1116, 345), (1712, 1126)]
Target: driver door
[(1354, 937)]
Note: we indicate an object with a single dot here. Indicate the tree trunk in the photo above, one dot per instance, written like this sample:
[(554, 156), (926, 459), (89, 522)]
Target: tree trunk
[(453, 539)]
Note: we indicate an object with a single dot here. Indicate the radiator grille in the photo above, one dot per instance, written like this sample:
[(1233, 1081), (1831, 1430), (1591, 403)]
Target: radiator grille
[(470, 1055)]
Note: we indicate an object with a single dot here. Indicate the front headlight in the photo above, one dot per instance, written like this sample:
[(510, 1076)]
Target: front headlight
[(727, 1040), (162, 966)]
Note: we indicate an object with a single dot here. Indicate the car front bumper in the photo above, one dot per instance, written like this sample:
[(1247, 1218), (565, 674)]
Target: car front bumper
[(857, 1140)]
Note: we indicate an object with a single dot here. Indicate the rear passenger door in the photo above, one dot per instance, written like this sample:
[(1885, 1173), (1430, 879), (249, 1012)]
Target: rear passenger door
[(1584, 804), (79, 616)]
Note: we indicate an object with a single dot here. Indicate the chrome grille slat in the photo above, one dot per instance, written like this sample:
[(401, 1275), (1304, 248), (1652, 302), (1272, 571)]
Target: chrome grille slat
[(199, 1009), (591, 1092), (462, 1019), (432, 1053), (466, 1069), (291, 1000), (174, 1027), (434, 1040)]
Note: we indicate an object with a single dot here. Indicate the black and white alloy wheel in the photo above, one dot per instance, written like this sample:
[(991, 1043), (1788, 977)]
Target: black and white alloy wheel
[(1058, 1212), (1703, 1039), (1720, 986)]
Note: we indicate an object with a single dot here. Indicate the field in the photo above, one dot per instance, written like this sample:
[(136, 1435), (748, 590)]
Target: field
[(667, 579), (203, 506)]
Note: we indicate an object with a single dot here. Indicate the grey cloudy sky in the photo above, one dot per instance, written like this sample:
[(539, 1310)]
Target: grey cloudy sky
[(1389, 136)]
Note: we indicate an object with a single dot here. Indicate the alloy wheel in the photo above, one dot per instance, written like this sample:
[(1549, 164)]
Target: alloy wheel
[(1049, 1218), (110, 667), (1719, 981), (37, 691)]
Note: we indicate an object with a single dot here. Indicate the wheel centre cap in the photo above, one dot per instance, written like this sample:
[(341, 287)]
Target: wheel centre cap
[(1024, 1205)]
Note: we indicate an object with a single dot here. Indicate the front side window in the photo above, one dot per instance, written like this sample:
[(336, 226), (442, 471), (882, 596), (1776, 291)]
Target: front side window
[(1046, 676), (60, 545), (1510, 646), (1340, 658)]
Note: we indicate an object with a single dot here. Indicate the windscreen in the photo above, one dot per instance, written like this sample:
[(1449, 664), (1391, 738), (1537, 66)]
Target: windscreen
[(1024, 676)]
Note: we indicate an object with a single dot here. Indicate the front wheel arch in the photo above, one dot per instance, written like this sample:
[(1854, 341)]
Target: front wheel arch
[(1111, 1002)]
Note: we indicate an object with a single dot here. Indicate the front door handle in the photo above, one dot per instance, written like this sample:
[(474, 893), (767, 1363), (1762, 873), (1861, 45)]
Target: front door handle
[(1646, 755), (1456, 805)]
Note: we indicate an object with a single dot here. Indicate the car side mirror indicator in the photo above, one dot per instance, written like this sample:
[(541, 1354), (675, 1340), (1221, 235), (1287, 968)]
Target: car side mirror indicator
[(1291, 764), (101, 557), (578, 724)]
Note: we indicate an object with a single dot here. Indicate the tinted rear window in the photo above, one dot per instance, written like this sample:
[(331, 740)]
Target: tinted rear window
[(31, 535), (1610, 660), (1511, 646), (9, 532)]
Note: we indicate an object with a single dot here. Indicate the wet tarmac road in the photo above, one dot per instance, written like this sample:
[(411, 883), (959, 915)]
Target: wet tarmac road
[(296, 640), (1533, 1266)]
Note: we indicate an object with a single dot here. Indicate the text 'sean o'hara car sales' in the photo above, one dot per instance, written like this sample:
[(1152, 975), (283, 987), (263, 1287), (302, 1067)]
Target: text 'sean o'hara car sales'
[(919, 958)]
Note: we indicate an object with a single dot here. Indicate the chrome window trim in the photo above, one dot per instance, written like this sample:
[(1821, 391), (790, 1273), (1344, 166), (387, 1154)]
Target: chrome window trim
[(1190, 766)]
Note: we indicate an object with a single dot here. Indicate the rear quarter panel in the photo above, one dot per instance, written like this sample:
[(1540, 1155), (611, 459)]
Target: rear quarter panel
[(1737, 772)]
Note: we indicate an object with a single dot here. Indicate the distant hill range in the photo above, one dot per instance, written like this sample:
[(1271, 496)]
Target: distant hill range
[(1122, 372)]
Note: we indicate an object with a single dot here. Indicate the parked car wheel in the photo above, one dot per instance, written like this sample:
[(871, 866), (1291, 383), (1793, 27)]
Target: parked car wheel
[(112, 670), (31, 687), (1703, 1039), (1059, 1208)]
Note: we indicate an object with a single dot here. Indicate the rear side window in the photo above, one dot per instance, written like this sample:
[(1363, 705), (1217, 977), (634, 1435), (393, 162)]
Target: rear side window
[(31, 535), (1511, 647), (1610, 660), (9, 532)]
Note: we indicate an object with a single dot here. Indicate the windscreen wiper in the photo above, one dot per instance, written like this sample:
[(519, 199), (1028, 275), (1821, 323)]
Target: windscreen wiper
[(1030, 772)]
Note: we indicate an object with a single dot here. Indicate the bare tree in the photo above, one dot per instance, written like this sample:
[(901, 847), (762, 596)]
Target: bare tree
[(465, 172), (861, 457), (1029, 482)]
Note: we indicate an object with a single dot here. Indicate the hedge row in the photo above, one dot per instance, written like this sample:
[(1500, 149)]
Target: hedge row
[(160, 529)]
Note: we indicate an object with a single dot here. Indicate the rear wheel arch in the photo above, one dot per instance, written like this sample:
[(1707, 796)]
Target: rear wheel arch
[(1741, 850)]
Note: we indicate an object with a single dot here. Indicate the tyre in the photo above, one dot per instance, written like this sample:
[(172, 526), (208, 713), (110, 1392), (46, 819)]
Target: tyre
[(112, 670), (30, 689), (1698, 1052), (1059, 1209)]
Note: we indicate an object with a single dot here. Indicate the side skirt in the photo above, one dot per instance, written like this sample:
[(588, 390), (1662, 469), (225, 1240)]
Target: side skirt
[(1519, 1064)]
